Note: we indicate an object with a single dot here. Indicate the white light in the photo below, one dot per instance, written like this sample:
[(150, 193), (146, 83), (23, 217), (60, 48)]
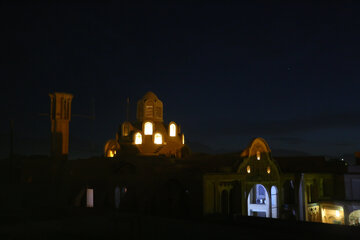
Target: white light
[(148, 128), (172, 130), (158, 138), (138, 138), (337, 213)]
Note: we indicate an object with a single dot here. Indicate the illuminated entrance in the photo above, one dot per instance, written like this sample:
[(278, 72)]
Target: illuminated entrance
[(258, 202)]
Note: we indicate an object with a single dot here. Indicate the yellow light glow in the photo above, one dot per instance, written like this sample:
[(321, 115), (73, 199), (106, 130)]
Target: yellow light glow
[(268, 170), (248, 169), (172, 130), (158, 138), (138, 138), (148, 128), (183, 139), (332, 214), (111, 154), (258, 155)]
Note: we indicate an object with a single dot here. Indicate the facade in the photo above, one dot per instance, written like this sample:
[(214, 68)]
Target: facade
[(250, 187)]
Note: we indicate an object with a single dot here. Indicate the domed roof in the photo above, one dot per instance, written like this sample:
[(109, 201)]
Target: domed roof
[(149, 95)]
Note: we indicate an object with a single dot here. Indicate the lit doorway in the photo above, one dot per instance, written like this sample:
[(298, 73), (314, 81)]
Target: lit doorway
[(258, 201)]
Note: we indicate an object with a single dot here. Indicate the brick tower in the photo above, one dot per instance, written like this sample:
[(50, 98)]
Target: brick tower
[(60, 114)]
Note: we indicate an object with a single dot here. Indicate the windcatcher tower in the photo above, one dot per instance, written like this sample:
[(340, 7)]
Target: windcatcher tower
[(149, 108), (60, 114)]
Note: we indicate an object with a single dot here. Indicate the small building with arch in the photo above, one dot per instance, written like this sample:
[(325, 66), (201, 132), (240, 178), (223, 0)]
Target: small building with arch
[(249, 186), (254, 183)]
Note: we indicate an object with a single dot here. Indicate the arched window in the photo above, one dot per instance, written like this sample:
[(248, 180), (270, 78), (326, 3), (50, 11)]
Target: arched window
[(138, 138), (172, 128), (183, 139), (158, 138), (148, 128)]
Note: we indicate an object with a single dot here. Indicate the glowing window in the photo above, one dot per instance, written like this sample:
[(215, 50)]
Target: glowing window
[(248, 169), (158, 138), (172, 130), (258, 155), (183, 139), (268, 170), (148, 128), (90, 198), (138, 138), (111, 153)]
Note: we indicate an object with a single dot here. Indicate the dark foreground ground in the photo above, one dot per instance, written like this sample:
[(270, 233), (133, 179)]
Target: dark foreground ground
[(90, 224)]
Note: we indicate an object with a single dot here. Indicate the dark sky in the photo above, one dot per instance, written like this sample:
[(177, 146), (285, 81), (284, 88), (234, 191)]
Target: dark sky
[(226, 72)]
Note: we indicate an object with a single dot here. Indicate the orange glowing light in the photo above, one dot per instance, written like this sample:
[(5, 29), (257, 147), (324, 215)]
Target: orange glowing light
[(138, 138), (158, 138)]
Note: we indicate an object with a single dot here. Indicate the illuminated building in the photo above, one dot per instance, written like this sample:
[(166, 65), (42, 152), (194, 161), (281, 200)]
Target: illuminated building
[(149, 135), (255, 183)]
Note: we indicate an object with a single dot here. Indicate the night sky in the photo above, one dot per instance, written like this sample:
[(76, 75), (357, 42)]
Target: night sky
[(226, 72)]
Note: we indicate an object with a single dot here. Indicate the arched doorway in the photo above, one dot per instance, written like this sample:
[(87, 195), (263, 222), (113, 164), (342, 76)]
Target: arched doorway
[(354, 218), (258, 201), (274, 202)]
